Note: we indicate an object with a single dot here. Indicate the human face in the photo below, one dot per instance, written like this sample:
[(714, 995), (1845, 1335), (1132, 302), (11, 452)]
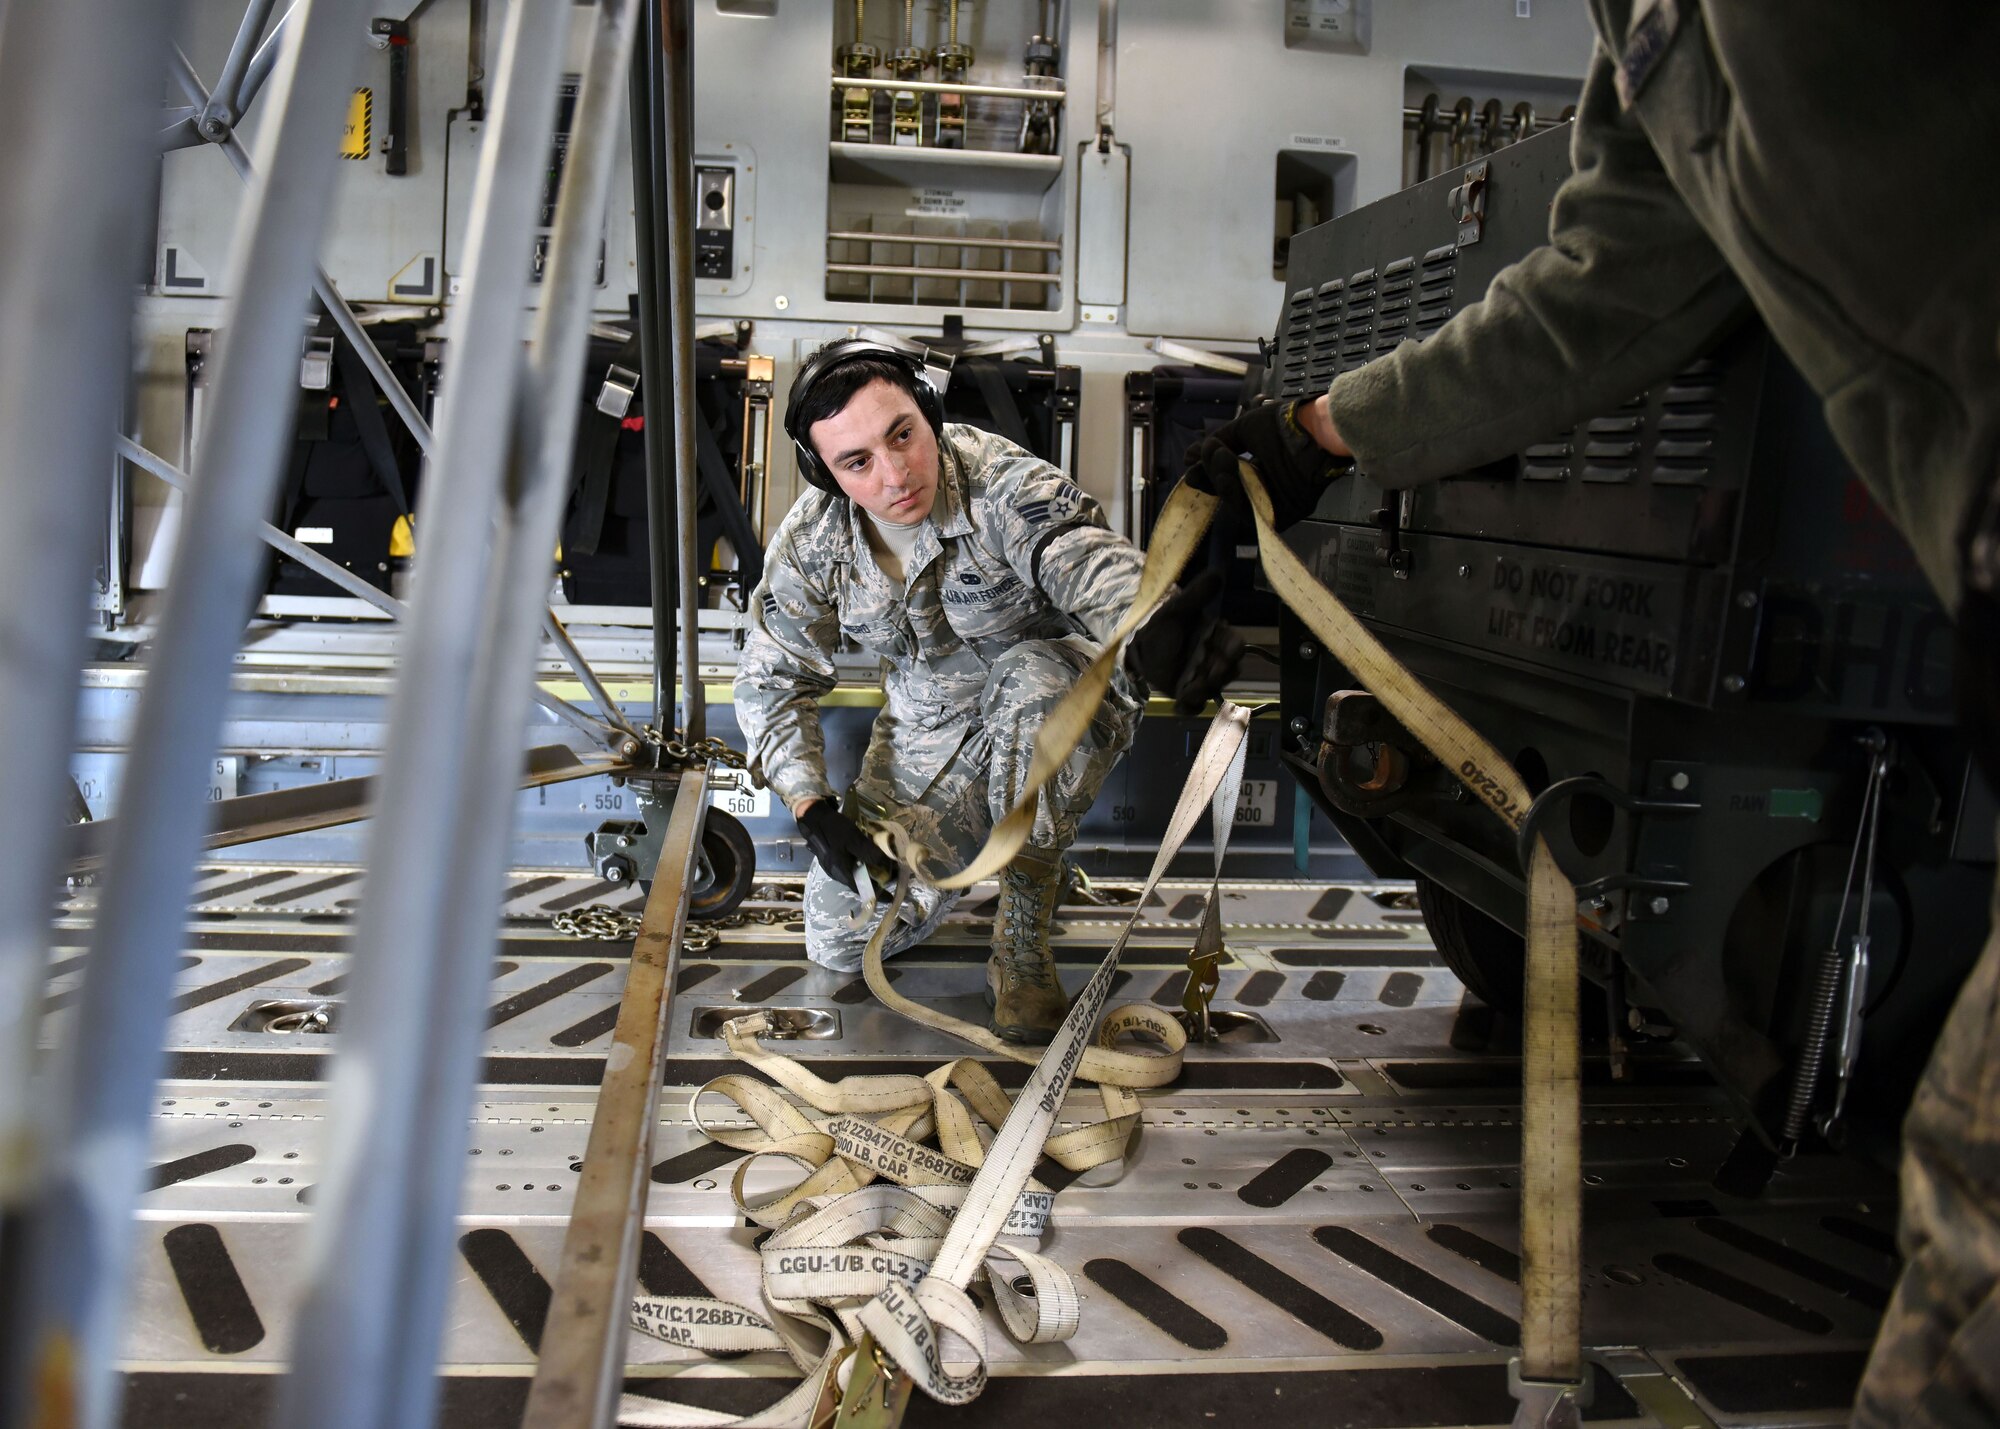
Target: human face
[(882, 452)]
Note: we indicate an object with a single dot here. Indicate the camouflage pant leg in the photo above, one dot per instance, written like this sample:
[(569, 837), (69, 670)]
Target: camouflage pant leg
[(837, 932), (1936, 1360), (957, 810), (1025, 684)]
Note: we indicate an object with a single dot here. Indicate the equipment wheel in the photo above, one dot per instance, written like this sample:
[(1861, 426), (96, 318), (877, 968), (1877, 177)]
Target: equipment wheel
[(724, 870), (1490, 958)]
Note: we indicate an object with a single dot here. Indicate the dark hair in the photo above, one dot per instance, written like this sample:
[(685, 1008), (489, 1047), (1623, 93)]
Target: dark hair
[(831, 394)]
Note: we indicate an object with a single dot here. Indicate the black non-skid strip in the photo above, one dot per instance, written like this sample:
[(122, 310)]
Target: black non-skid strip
[(216, 1298), (694, 975), (1754, 1298), (1385, 1398), (241, 885), (533, 885), (1300, 1301), (201, 1163), (511, 1279), (1685, 1209), (1284, 1178), (1413, 1280), (530, 998), (1187, 906), (1325, 986), (1054, 1174), (698, 1161), (335, 985), (661, 1272), (1259, 988), (1170, 992), (1157, 1305), (1470, 1245), (849, 993), (1354, 957), (1327, 907), (57, 1001), (770, 984), (65, 967), (1769, 1383), (1797, 1262), (287, 895), (1401, 989), (582, 896), (588, 1030), (201, 996), (1862, 1234)]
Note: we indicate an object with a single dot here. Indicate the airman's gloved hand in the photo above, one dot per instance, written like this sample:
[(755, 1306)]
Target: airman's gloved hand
[(1295, 469), (1185, 649), (838, 843)]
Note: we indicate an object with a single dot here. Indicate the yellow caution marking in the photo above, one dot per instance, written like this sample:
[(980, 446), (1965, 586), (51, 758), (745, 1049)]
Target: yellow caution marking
[(359, 132)]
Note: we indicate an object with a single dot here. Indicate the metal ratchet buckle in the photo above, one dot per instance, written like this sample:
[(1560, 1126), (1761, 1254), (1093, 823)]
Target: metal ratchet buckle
[(878, 1392)]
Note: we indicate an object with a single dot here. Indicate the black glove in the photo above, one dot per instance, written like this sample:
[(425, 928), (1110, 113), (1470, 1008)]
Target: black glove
[(838, 843), (1185, 649), (1295, 468)]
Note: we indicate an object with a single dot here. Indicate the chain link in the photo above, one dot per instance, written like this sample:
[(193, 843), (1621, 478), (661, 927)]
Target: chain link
[(601, 920), (702, 751)]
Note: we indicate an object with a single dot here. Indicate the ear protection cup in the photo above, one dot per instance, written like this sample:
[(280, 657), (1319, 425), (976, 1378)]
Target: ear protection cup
[(837, 354)]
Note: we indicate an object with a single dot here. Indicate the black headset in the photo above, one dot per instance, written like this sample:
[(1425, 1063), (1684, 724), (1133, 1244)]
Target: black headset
[(930, 401)]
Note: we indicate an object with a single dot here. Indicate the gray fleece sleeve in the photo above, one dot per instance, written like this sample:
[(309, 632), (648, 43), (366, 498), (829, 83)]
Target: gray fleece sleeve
[(1628, 288)]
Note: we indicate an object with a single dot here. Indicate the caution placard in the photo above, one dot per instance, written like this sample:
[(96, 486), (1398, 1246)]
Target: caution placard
[(357, 136)]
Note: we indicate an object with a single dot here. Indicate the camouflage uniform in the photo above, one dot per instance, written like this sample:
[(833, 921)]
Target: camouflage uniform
[(1726, 158), (1012, 589)]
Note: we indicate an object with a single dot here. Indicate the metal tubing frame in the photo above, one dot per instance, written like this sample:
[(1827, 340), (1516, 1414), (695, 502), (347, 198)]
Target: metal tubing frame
[(379, 1249), (77, 85), (676, 108), (406, 408), (562, 709), (82, 1232), (221, 112), (663, 205), (647, 182)]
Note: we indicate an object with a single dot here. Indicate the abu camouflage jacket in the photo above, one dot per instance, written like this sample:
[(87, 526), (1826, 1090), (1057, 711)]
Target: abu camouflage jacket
[(1013, 550)]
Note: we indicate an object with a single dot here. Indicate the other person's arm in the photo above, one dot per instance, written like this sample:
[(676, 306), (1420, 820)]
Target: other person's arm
[(1627, 289)]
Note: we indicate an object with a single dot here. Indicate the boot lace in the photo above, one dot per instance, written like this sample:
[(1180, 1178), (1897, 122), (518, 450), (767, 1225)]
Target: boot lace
[(1026, 957)]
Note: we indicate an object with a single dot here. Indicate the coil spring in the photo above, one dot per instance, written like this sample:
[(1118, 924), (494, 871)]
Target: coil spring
[(1812, 1055)]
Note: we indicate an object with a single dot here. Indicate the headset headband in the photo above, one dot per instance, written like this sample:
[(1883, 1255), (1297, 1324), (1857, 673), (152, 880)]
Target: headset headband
[(929, 395)]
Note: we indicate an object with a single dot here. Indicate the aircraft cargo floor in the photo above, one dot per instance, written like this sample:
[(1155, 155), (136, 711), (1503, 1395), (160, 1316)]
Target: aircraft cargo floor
[(1318, 1225)]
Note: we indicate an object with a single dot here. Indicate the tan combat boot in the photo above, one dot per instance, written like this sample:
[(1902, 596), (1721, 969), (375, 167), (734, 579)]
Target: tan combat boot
[(1021, 983)]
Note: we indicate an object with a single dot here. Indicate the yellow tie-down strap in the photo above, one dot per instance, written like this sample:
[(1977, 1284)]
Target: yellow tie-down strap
[(1551, 1197)]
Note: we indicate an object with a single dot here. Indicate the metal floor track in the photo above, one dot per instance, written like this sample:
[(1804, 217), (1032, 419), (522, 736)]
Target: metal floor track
[(1318, 1225)]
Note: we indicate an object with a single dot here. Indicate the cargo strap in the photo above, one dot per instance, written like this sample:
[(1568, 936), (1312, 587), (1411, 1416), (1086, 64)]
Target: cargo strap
[(1549, 1373), (889, 1265)]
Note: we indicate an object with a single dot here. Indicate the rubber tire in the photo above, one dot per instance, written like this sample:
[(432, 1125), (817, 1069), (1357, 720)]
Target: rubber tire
[(731, 855), (1490, 958)]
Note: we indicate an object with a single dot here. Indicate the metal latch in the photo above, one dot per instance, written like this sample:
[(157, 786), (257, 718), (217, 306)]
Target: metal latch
[(1468, 204), (621, 386)]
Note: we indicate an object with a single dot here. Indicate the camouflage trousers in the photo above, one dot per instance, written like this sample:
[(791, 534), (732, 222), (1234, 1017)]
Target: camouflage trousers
[(1936, 1360), (985, 775)]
